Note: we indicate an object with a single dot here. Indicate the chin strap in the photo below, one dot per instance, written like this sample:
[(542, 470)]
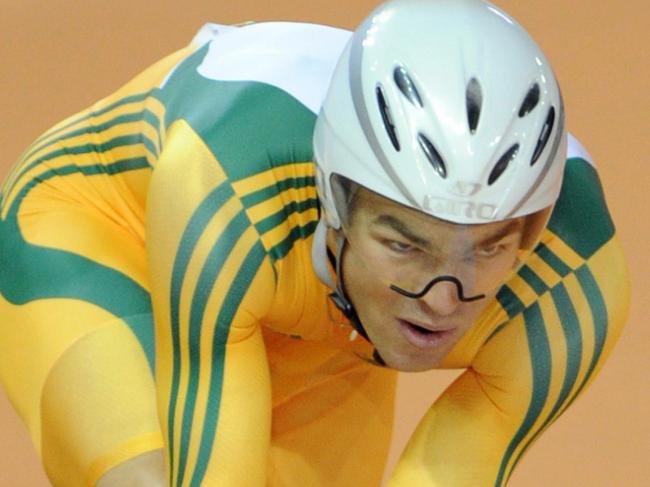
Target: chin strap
[(320, 256), (338, 297)]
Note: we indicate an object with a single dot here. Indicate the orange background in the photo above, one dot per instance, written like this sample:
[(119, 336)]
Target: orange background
[(58, 56)]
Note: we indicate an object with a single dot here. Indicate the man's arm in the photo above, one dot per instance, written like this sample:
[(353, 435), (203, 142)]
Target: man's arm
[(211, 282), (524, 376)]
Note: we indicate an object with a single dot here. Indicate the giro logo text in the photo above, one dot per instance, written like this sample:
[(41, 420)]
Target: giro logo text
[(468, 209)]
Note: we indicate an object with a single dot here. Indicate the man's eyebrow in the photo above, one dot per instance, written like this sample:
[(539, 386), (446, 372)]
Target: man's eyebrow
[(401, 228), (511, 227)]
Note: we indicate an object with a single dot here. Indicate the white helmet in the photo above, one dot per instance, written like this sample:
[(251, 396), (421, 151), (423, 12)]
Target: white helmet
[(448, 107)]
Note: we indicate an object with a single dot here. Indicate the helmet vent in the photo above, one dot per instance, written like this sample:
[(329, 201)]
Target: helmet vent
[(474, 101), (433, 156), (386, 117), (530, 102), (544, 135), (502, 164), (406, 86)]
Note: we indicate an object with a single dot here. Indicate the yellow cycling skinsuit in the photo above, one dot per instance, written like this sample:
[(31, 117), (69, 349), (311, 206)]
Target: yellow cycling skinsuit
[(166, 232)]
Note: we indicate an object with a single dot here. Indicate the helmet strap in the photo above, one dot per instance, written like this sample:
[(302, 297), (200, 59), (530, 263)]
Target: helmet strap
[(320, 255), (339, 296)]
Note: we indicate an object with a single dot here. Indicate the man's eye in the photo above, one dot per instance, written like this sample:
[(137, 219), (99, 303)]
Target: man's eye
[(398, 246), (489, 251)]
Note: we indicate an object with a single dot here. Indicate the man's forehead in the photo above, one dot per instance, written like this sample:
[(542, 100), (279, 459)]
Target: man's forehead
[(383, 211)]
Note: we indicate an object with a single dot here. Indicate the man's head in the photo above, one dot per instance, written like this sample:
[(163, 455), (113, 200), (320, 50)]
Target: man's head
[(446, 113)]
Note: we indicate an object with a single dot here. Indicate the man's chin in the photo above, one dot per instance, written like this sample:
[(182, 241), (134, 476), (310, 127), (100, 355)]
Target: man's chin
[(405, 363)]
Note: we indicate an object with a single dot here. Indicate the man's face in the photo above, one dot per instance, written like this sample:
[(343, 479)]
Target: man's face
[(392, 244)]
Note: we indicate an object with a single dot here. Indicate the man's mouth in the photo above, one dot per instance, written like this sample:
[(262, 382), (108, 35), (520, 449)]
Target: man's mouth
[(422, 337)]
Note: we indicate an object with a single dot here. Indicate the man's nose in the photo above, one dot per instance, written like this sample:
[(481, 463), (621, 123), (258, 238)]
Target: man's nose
[(443, 298)]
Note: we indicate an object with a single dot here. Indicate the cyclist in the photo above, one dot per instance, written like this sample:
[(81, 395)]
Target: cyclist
[(185, 228)]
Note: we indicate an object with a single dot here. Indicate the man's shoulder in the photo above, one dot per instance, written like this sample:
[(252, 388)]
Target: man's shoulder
[(252, 93), (296, 58), (581, 218), (579, 238)]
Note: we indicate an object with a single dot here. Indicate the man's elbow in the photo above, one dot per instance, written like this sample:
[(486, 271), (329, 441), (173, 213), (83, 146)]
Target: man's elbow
[(146, 470)]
